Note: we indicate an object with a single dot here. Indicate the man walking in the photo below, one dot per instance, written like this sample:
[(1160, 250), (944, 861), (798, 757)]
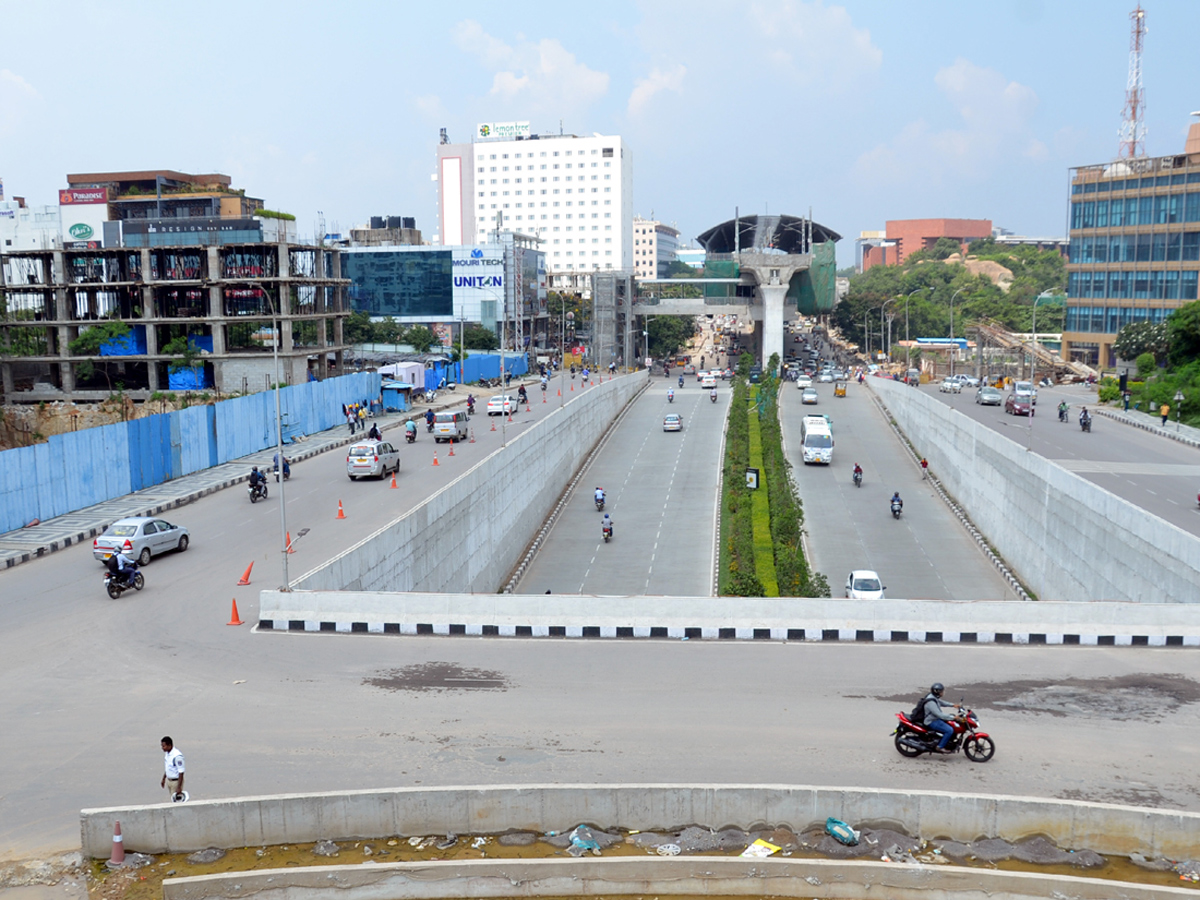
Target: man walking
[(172, 778), (1164, 411)]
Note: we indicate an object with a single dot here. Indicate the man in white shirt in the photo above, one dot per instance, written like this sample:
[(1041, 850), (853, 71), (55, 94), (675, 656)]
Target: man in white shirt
[(172, 778)]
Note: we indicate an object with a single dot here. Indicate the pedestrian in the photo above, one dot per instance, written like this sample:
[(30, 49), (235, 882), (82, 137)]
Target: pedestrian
[(362, 417), (1164, 411), (1126, 396), (172, 778), (350, 420), (924, 468)]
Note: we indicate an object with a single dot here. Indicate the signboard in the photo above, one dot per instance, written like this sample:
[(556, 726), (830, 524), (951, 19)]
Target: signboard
[(444, 332), (188, 226), (82, 195), (83, 212), (752, 478), (508, 130)]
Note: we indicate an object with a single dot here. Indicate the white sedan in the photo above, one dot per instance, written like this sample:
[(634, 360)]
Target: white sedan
[(950, 386), (863, 584), (501, 404)]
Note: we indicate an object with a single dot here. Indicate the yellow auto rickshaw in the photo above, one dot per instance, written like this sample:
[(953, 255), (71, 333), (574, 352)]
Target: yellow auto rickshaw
[(839, 389)]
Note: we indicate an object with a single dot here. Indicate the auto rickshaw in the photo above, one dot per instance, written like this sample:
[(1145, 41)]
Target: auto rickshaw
[(839, 389)]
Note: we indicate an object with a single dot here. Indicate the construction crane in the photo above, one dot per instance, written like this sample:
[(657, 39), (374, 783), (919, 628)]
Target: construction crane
[(1132, 140)]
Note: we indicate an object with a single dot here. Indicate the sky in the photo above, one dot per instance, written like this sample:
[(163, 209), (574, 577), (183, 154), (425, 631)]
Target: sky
[(862, 111)]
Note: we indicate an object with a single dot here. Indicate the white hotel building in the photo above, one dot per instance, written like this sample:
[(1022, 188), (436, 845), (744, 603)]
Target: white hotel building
[(574, 193)]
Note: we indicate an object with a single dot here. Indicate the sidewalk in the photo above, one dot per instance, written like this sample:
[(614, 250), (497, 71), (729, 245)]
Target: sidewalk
[(61, 532), (1185, 434)]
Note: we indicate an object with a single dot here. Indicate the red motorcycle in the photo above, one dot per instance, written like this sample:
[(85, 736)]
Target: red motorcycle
[(912, 739)]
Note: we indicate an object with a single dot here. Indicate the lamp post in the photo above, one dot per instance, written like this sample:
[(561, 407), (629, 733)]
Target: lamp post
[(867, 334), (888, 346), (275, 323), (907, 345), (1033, 345), (952, 296)]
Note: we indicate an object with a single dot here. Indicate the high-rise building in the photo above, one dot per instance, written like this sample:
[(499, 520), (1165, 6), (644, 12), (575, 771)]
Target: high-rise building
[(574, 193), (654, 247), (1135, 247)]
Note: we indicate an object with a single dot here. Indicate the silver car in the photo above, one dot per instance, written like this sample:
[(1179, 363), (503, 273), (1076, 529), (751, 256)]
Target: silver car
[(140, 537), (372, 458)]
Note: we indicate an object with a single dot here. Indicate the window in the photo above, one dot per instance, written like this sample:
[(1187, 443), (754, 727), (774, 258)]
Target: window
[(607, 151), (1116, 213), (1191, 208)]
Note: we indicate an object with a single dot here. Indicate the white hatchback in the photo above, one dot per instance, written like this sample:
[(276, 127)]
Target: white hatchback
[(863, 584)]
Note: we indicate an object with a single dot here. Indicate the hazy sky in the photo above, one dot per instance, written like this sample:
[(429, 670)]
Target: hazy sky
[(864, 111)]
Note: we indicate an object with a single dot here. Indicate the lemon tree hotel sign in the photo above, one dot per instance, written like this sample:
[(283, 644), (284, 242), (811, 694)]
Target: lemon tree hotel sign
[(505, 130)]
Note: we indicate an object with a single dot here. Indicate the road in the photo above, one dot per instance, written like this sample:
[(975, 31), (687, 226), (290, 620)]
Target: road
[(926, 554), (661, 492), (1159, 475)]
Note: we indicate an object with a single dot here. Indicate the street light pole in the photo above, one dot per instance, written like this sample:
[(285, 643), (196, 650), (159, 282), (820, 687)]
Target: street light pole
[(952, 347), (907, 345), (888, 346), (275, 325)]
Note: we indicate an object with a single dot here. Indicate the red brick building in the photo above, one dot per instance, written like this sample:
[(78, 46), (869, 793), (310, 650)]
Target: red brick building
[(905, 236)]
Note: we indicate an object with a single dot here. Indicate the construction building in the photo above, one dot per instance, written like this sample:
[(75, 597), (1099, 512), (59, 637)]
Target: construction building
[(207, 282)]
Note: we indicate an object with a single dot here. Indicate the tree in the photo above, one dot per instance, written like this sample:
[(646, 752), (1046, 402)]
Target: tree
[(89, 342), (679, 269), (420, 338), (358, 328), (1137, 338), (945, 247), (476, 337), (1146, 365), (185, 353), (387, 331), (668, 334), (1183, 328)]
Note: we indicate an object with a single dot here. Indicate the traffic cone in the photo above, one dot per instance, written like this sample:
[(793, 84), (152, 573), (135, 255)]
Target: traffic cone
[(472, 437), (543, 396), (452, 448), (233, 620), (527, 409), (290, 548), (560, 392), (572, 386), (435, 462), (393, 481), (118, 849), (245, 579), (341, 513), (493, 424)]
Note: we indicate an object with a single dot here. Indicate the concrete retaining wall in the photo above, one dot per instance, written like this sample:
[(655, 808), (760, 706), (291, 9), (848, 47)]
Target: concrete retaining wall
[(538, 615), (471, 534), (353, 815), (1067, 538), (631, 877)]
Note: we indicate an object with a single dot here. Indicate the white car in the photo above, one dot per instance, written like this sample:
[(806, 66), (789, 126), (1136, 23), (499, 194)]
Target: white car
[(863, 584), (139, 538), (969, 381), (803, 381), (950, 386), (501, 404), (808, 396)]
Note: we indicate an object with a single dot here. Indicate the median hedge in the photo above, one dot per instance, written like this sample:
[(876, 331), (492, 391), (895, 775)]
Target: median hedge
[(743, 572)]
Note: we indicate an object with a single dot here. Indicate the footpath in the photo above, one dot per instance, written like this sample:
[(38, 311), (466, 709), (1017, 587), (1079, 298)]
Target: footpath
[(63, 531), (1184, 434)]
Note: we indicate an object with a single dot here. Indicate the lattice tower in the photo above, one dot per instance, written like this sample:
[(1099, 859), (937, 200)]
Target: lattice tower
[(1132, 142)]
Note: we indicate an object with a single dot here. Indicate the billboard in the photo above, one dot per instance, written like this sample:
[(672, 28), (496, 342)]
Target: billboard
[(509, 130), (83, 212)]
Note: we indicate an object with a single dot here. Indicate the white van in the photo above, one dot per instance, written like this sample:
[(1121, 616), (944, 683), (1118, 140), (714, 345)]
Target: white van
[(1025, 391), (818, 440), (450, 425)]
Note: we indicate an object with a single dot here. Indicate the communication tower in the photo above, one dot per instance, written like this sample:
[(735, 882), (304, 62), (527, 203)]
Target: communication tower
[(1132, 141)]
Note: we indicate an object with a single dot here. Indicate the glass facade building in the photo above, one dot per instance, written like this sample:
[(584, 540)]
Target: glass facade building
[(1134, 251), (405, 285)]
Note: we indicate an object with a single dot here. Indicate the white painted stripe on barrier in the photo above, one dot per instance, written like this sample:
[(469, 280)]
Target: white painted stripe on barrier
[(475, 630), (441, 629)]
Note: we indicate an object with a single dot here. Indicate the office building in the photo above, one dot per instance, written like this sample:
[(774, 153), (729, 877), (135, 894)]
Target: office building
[(1135, 247), (906, 236), (574, 193), (655, 246), (692, 256), (214, 273)]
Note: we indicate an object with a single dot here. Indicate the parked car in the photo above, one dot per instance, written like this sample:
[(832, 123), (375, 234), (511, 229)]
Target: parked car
[(139, 538), (501, 404), (1017, 406), (950, 386), (672, 422), (371, 458), (863, 584), (809, 396), (988, 396)]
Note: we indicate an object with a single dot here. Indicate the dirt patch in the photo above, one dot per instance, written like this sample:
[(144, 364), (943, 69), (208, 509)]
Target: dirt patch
[(438, 676), (1145, 697)]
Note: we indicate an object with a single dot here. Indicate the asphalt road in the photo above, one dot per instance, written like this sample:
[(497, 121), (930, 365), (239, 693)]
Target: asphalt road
[(1159, 475), (926, 554), (661, 492)]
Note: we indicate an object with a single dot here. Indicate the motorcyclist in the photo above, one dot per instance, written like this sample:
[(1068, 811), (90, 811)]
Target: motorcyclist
[(121, 567), (1085, 417), (896, 499), (522, 395), (670, 395), (287, 467), (712, 395), (411, 428), (606, 525), (600, 495), (429, 419), (1062, 411), (256, 477), (936, 717), (545, 383), (858, 472), (470, 404), (681, 382)]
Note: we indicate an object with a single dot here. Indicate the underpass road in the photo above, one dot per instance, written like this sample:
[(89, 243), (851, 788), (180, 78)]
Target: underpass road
[(1155, 473), (926, 554), (661, 490)]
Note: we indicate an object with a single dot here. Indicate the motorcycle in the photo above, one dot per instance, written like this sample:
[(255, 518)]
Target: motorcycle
[(116, 586), (912, 740), (411, 436), (670, 396), (713, 396), (258, 491), (897, 508), (1086, 424), (858, 479), (599, 504), (1062, 413), (429, 426), (287, 470), (607, 531), (681, 382), (470, 407)]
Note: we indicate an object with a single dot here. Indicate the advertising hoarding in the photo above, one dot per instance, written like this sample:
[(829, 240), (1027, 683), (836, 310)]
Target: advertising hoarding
[(509, 130), (83, 212)]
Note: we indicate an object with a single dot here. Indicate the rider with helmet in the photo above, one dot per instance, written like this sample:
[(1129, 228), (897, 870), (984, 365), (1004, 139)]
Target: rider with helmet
[(256, 477), (606, 525), (599, 496), (936, 717), (896, 499)]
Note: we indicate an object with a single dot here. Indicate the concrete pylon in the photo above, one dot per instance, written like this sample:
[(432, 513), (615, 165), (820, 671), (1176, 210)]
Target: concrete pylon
[(772, 295), (773, 275)]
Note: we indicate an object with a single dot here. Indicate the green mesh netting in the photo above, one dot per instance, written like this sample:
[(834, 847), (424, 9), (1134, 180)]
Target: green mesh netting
[(814, 289)]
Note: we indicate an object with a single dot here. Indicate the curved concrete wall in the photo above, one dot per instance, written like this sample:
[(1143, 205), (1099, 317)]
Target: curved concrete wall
[(469, 535), (353, 815), (631, 877), (1067, 538)]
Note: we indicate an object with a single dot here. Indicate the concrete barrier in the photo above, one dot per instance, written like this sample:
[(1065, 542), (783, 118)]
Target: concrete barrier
[(354, 815), (1067, 538), (632, 877), (750, 618), (471, 534)]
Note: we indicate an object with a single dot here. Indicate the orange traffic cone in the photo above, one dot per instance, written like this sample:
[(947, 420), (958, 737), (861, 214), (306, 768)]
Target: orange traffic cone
[(290, 548), (118, 849), (341, 513), (393, 481), (572, 385), (493, 424), (472, 437), (543, 396), (245, 579), (452, 448), (435, 462), (527, 409), (233, 620), (560, 392)]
